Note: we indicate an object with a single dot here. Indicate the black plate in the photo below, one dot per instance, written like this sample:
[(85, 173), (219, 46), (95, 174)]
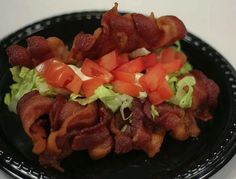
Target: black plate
[(194, 158)]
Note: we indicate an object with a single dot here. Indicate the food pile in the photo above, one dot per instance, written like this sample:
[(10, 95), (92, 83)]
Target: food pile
[(122, 88)]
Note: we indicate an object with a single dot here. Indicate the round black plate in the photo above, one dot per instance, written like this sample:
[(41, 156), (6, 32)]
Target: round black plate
[(194, 158)]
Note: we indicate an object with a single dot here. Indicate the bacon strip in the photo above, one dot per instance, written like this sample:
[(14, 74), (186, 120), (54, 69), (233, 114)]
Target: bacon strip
[(18, 55), (30, 108), (84, 116), (127, 33), (136, 134), (181, 123), (205, 95), (38, 50), (97, 138)]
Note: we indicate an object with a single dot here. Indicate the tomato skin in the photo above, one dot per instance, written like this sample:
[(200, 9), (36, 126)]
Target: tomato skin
[(150, 60), (75, 85), (153, 78), (89, 86), (92, 69), (56, 72), (124, 76), (160, 95), (173, 66), (133, 66), (172, 60), (109, 61), (126, 88), (167, 55), (122, 58)]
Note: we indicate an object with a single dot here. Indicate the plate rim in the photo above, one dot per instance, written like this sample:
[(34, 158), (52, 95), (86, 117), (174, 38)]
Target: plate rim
[(6, 161)]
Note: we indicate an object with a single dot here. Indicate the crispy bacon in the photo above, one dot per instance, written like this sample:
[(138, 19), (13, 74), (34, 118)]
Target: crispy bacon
[(101, 150), (58, 48), (124, 33), (19, 55), (169, 116), (90, 137), (55, 112), (97, 136), (127, 33), (38, 50), (205, 95), (181, 123), (30, 108), (136, 134)]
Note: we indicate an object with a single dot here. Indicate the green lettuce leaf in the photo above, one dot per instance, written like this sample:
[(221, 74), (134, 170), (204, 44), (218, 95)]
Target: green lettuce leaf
[(184, 90), (177, 46), (112, 100), (25, 80), (186, 68), (154, 112)]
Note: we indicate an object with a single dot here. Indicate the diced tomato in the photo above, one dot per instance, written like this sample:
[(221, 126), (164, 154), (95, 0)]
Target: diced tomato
[(173, 66), (150, 60), (75, 85), (92, 69), (153, 78), (165, 90), (155, 97), (126, 88), (133, 66), (124, 76), (167, 55), (109, 61), (172, 60), (122, 58), (56, 72), (160, 95), (89, 86)]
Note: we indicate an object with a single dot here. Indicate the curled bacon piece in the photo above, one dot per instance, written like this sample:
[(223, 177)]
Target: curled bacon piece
[(19, 55), (205, 95), (127, 33), (181, 123), (135, 134), (30, 108), (38, 50), (72, 117), (95, 137)]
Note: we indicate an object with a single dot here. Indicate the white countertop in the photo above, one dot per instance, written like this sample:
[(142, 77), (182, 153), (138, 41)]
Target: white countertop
[(214, 21)]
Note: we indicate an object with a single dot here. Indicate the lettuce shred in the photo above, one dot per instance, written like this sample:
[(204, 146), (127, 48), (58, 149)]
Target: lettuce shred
[(154, 112), (183, 94), (25, 80), (112, 100)]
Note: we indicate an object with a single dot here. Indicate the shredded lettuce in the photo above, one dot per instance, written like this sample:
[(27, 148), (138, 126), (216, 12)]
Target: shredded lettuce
[(126, 103), (185, 69), (173, 78), (172, 83), (177, 46), (139, 52), (142, 95), (184, 90), (154, 112), (110, 99), (26, 80)]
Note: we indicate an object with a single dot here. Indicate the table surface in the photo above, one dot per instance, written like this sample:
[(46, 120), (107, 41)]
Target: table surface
[(213, 21)]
